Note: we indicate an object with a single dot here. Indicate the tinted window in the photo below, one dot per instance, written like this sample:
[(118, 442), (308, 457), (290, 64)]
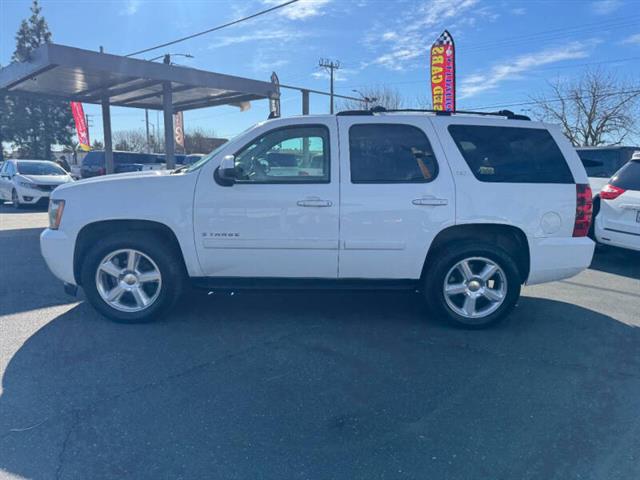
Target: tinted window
[(286, 155), (628, 177), (509, 154), (94, 159), (390, 153), (600, 163), (39, 168)]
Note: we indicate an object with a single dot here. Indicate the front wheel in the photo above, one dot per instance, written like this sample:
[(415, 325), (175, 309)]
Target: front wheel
[(15, 200), (133, 278), (473, 285)]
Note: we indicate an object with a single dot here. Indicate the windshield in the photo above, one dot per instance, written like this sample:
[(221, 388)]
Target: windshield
[(39, 168)]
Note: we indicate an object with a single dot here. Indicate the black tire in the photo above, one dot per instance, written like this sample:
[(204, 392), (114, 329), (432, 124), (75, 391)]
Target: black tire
[(446, 258), (163, 252), (15, 200)]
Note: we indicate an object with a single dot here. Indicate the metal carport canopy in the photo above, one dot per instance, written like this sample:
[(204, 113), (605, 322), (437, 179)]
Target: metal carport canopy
[(73, 74)]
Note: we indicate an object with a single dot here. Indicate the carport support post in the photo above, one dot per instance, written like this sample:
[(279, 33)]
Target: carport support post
[(305, 102), (167, 106), (106, 128)]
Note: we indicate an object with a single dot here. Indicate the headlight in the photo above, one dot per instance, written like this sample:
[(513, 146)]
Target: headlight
[(26, 184), (56, 207)]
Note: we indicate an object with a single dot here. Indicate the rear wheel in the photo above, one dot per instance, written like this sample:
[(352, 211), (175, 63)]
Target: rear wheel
[(473, 284), (132, 279)]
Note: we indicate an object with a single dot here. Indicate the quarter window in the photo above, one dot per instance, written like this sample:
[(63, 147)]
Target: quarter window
[(511, 154), (390, 153), (286, 155)]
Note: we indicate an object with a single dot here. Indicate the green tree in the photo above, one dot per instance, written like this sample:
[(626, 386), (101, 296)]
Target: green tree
[(36, 123)]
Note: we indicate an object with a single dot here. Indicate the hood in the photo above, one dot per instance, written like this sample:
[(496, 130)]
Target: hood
[(118, 177), (47, 179)]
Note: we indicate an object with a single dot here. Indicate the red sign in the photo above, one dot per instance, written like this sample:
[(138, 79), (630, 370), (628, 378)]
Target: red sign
[(81, 126), (443, 73)]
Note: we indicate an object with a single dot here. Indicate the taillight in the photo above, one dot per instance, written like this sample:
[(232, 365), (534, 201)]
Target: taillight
[(611, 192), (584, 209)]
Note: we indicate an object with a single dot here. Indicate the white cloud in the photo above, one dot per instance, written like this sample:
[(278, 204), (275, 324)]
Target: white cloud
[(130, 8), (480, 82), (300, 10), (416, 30), (604, 7), (281, 35), (633, 39), (518, 11)]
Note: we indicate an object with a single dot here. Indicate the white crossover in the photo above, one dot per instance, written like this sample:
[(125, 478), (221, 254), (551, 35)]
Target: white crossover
[(464, 208), (30, 182), (618, 222)]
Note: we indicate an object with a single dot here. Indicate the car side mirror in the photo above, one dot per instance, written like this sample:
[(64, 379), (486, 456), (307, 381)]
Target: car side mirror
[(226, 173)]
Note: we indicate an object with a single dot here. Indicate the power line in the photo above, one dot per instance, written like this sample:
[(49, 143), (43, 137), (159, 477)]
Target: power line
[(560, 99), (219, 27)]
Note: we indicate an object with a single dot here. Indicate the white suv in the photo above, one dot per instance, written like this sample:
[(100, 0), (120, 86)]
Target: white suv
[(464, 208)]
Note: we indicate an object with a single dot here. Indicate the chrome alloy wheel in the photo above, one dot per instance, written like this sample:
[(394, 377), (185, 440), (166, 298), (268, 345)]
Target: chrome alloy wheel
[(128, 280), (475, 287)]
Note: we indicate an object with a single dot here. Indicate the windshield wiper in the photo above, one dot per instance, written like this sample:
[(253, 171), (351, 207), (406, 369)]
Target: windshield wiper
[(179, 169)]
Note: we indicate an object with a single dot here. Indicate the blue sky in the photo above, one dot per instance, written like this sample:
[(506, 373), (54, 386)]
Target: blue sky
[(506, 50)]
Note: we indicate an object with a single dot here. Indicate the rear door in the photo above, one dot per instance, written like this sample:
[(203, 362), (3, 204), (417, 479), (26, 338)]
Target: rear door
[(396, 195)]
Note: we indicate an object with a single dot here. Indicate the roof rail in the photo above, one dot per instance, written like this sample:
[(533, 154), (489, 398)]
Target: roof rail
[(502, 113)]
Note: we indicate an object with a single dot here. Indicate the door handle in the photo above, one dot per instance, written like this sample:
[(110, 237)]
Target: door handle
[(430, 201), (314, 202)]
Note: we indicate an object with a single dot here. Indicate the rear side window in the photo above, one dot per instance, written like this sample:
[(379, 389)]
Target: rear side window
[(511, 155), (390, 153), (628, 177)]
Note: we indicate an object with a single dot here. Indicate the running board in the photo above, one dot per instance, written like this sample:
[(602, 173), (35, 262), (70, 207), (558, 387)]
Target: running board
[(270, 283)]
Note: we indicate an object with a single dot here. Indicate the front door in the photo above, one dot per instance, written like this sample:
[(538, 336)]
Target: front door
[(397, 193), (280, 218)]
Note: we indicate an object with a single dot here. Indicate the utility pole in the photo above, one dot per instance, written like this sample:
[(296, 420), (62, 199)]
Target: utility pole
[(331, 66), (146, 121)]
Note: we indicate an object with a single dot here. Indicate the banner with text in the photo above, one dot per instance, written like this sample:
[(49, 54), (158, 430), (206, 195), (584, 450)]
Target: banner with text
[(81, 126), (443, 73), (178, 129)]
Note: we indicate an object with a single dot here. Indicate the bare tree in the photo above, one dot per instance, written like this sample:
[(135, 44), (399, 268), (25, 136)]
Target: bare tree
[(594, 110), (381, 95), (130, 140)]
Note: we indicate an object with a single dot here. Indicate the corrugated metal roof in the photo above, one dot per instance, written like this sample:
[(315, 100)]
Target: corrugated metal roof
[(68, 73)]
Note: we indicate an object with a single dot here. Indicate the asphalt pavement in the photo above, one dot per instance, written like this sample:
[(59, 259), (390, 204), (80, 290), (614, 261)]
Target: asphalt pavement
[(317, 385)]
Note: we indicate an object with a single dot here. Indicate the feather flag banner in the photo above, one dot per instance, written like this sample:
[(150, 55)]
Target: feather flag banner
[(443, 73)]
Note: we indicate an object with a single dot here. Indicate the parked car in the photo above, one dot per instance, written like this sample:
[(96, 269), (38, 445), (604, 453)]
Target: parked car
[(94, 165), (602, 162), (463, 208), (30, 182), (618, 222)]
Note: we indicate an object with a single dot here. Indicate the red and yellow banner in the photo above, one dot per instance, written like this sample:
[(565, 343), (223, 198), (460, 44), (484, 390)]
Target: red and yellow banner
[(443, 73), (81, 126)]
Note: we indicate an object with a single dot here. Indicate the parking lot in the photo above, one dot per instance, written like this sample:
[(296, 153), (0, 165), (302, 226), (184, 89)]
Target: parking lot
[(317, 386)]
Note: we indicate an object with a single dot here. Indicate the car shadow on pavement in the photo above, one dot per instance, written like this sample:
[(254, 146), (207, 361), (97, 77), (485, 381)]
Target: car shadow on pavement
[(324, 386), (7, 208), (618, 261)]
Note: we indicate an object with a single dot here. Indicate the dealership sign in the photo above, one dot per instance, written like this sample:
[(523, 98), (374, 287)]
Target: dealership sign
[(443, 73)]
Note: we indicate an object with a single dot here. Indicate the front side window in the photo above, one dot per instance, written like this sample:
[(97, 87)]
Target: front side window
[(286, 155), (511, 154), (390, 153)]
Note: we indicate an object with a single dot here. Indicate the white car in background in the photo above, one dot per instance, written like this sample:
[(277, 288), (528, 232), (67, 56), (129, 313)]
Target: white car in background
[(618, 222), (30, 182)]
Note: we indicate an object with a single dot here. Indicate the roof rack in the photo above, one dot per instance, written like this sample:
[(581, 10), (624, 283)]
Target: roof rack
[(502, 113)]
